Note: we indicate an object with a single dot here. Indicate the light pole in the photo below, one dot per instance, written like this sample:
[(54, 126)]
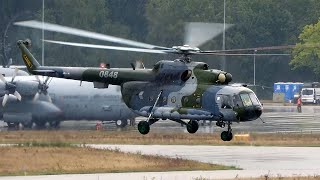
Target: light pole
[(42, 54), (254, 67), (224, 64)]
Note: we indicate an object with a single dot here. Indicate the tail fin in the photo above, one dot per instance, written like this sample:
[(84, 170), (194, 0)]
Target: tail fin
[(31, 63)]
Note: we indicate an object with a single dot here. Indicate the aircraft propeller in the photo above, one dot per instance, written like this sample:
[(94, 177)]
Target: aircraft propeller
[(10, 88), (42, 89)]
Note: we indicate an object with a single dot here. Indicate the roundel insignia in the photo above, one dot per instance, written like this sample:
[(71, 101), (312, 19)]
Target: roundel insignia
[(173, 99)]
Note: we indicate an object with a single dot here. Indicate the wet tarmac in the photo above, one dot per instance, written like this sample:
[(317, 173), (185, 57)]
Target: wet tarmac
[(255, 161), (244, 157), (275, 119)]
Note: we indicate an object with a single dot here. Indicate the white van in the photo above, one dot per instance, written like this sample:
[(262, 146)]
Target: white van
[(310, 95)]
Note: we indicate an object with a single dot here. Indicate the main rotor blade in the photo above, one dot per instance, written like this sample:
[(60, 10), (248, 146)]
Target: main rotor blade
[(238, 54), (108, 47), (259, 49), (198, 33), (83, 33)]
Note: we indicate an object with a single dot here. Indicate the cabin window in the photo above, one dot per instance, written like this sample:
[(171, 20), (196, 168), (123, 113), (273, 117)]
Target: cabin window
[(141, 95), (237, 101), (224, 101)]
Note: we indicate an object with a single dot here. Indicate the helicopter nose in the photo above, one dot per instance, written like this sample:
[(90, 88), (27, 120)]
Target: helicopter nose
[(250, 113), (258, 111)]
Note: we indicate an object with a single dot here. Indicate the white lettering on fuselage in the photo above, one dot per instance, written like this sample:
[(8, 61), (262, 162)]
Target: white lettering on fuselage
[(110, 74)]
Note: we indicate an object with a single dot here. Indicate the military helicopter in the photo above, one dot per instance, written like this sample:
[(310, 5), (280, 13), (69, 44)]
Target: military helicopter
[(177, 90)]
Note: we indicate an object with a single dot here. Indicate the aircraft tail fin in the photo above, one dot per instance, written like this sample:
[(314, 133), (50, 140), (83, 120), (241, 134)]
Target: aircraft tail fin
[(28, 59)]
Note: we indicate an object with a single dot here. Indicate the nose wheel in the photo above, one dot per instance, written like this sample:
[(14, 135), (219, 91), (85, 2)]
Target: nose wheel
[(227, 135), (143, 127)]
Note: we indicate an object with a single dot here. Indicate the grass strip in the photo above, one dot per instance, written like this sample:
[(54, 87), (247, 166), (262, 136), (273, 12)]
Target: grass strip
[(38, 159), (132, 137)]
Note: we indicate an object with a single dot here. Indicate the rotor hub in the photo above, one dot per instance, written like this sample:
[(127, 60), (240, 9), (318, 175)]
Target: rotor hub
[(185, 49)]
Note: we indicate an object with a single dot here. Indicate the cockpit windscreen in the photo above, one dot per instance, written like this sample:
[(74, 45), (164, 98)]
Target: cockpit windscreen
[(246, 100), (249, 99)]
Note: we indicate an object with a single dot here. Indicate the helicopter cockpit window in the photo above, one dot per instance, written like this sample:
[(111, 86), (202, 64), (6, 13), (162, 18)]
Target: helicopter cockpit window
[(254, 99), (246, 100), (237, 101), (224, 101)]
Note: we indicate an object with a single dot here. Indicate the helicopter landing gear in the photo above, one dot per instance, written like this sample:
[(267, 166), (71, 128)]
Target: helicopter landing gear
[(192, 126), (221, 124), (227, 135), (143, 127)]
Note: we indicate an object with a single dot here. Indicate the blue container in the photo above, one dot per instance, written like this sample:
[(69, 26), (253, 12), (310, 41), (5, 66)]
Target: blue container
[(278, 87), (288, 91), (296, 88)]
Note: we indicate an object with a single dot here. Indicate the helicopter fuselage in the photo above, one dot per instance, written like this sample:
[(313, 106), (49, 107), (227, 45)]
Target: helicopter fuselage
[(205, 102), (174, 90)]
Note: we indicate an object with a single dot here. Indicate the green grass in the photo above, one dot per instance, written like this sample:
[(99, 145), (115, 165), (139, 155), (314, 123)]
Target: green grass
[(65, 138), (48, 160)]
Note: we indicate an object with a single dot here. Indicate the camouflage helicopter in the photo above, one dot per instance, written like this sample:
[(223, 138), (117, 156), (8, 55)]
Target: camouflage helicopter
[(177, 90)]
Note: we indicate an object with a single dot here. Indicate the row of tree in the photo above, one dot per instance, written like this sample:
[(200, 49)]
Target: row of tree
[(257, 23)]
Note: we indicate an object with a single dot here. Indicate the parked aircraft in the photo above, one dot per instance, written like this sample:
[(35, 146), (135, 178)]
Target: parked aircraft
[(56, 100)]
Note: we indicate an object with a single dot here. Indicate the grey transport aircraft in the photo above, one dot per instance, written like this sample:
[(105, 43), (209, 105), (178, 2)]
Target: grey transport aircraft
[(54, 100)]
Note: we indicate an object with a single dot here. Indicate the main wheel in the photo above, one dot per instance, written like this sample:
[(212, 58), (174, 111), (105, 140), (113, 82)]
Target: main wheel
[(143, 127), (192, 126), (226, 136), (120, 123)]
